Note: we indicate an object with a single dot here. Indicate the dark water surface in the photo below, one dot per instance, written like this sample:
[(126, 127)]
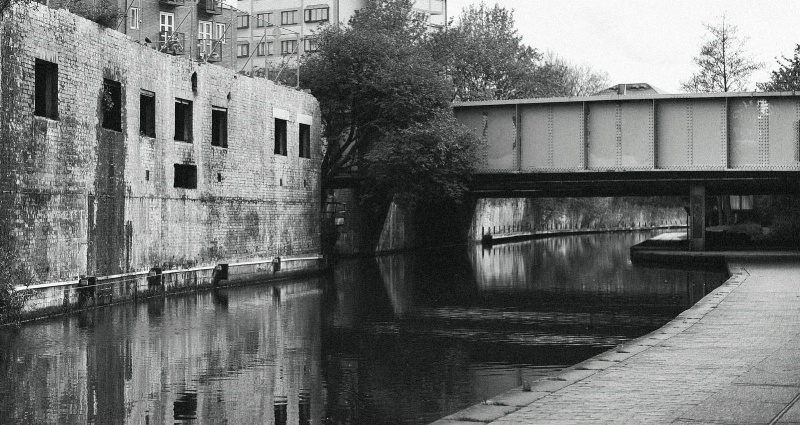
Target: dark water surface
[(401, 339)]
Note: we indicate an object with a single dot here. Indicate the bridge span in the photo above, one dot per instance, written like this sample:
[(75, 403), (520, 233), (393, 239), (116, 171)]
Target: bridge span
[(647, 144)]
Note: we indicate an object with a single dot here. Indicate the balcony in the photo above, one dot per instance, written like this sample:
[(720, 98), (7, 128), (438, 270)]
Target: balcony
[(211, 7), (172, 2), (209, 50), (171, 42)]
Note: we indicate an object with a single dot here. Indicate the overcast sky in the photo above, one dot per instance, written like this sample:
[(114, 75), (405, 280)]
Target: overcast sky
[(647, 40)]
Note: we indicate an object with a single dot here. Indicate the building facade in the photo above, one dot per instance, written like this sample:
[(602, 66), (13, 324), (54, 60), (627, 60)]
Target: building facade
[(118, 160), (271, 34), (200, 30)]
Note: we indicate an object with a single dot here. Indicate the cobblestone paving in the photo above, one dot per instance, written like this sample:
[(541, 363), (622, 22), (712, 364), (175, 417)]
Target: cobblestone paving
[(733, 358)]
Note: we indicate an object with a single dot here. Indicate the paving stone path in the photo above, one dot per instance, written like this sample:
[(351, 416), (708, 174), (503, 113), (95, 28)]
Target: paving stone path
[(733, 358)]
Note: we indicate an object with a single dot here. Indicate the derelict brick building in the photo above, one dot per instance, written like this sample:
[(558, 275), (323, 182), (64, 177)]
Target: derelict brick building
[(117, 159)]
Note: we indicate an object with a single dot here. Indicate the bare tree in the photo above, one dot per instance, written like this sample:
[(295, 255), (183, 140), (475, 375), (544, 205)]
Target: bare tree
[(724, 64), (558, 77)]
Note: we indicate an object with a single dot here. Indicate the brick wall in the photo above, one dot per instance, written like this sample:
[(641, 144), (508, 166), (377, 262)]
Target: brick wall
[(81, 199)]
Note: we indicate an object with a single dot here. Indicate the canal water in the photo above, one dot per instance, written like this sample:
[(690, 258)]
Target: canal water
[(398, 339)]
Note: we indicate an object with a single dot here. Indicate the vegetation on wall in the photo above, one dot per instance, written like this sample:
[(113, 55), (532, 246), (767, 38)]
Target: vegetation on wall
[(13, 272)]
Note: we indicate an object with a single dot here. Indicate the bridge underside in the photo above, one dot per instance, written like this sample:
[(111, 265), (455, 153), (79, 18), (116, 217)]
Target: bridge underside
[(633, 183)]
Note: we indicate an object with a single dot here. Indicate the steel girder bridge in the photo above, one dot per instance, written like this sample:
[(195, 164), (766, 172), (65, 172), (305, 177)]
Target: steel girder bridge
[(691, 145)]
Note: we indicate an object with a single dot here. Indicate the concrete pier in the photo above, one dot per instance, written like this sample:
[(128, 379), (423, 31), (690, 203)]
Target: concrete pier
[(734, 358)]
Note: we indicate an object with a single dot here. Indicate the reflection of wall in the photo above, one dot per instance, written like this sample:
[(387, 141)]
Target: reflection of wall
[(597, 263), (575, 213), (214, 356)]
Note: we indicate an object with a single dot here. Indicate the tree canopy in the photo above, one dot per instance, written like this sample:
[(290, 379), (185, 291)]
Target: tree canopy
[(723, 63), (787, 76), (376, 79)]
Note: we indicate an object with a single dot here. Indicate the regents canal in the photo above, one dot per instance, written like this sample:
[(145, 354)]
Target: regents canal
[(398, 339)]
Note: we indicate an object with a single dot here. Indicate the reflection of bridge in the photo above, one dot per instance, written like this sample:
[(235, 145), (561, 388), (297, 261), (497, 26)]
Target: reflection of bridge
[(725, 143)]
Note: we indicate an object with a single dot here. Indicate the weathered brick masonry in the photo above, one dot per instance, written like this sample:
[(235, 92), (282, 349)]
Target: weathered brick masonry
[(80, 199)]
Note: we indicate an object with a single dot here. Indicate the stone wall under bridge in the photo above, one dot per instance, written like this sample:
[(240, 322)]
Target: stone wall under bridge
[(110, 169)]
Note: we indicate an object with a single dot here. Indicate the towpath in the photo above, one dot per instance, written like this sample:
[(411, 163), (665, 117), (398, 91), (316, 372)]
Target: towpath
[(732, 358)]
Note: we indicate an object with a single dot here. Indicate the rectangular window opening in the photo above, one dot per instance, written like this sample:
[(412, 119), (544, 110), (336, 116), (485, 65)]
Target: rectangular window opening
[(280, 137), (243, 21), (112, 105), (305, 141), (243, 50), (134, 18), (219, 127), (318, 14), (288, 47), (147, 113), (185, 176), (289, 17), (46, 93), (183, 120)]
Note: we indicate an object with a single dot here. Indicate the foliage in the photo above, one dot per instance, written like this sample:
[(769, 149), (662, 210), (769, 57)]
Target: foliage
[(12, 272), (373, 78), (723, 63), (104, 13), (8, 4), (485, 57), (787, 76), (427, 163), (556, 77)]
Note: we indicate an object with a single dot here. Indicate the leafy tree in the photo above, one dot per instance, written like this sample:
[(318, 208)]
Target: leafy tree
[(723, 63), (373, 78), (557, 77), (787, 76), (427, 163), (485, 57)]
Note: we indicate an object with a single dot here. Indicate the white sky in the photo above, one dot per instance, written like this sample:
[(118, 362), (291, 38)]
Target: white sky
[(650, 41)]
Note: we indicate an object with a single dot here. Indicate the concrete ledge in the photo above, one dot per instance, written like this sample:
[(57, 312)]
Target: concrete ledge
[(56, 298)]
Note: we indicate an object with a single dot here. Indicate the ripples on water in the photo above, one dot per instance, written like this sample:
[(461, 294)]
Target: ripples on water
[(401, 339)]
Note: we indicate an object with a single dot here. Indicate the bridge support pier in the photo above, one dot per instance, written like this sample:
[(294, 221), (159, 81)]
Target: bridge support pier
[(697, 218)]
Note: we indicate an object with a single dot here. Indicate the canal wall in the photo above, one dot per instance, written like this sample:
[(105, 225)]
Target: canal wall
[(120, 162)]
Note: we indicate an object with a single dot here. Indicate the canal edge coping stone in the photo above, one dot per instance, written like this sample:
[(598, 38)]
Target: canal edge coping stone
[(515, 399)]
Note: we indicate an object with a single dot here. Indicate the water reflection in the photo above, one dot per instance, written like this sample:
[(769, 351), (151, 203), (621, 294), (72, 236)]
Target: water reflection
[(250, 355), (399, 339)]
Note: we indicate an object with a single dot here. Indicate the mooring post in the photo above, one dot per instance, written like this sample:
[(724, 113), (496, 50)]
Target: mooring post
[(697, 217)]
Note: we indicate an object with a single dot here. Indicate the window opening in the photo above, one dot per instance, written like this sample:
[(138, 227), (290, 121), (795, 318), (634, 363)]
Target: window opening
[(219, 127), (242, 21), (261, 49), (305, 141), (289, 17), (310, 45), (243, 50), (133, 18), (204, 40), (318, 14), (220, 33), (185, 176), (288, 47), (264, 19), (280, 137), (147, 113), (46, 93), (112, 105), (183, 120)]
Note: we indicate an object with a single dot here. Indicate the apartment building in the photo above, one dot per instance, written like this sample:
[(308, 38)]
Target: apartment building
[(200, 30), (271, 34)]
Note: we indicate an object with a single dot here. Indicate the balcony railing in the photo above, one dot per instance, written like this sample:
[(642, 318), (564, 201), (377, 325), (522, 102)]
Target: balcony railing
[(171, 42), (212, 7), (209, 50), (172, 2)]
